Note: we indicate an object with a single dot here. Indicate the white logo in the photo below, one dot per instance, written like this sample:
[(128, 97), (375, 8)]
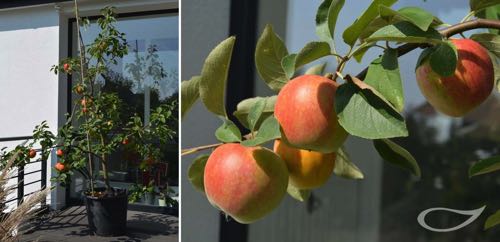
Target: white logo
[(474, 214)]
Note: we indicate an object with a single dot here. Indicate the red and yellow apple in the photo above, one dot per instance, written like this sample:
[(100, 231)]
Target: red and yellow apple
[(60, 167), (32, 153), (245, 182), (305, 110), (59, 152), (467, 88), (307, 169)]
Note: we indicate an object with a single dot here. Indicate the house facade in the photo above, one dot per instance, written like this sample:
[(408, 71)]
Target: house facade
[(37, 34)]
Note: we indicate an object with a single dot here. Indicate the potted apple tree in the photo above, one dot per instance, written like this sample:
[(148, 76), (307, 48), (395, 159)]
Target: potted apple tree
[(98, 127)]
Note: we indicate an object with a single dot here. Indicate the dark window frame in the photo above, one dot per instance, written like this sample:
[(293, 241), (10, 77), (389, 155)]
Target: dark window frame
[(16, 3)]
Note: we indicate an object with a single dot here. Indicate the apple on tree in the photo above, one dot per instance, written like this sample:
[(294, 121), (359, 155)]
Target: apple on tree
[(468, 87), (245, 182), (305, 111)]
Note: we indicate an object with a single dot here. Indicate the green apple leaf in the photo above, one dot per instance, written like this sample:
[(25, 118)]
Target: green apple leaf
[(189, 94), (489, 41), (316, 70), (268, 54), (492, 12), (344, 166), (365, 113), (228, 132), (492, 43), (478, 5), (444, 59), (492, 221), (485, 166), (311, 52), (196, 172), (326, 19), (255, 113), (384, 75), (269, 130), (288, 64), (352, 33), (397, 155), (496, 66), (243, 109), (361, 51), (405, 32), (424, 56), (379, 23), (298, 194), (214, 77), (417, 16)]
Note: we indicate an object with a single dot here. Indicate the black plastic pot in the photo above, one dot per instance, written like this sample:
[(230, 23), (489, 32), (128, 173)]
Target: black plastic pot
[(107, 215)]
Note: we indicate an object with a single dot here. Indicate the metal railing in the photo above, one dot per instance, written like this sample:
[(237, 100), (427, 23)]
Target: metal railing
[(21, 174)]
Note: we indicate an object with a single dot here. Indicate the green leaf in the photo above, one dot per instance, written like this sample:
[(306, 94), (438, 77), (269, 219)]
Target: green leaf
[(384, 75), (417, 16), (485, 166), (492, 221), (255, 113), (490, 41), (344, 166), (405, 32), (363, 112), (298, 194), (316, 70), (492, 12), (444, 58), (288, 64), (196, 172), (397, 155), (268, 54), (243, 109), (361, 51), (379, 23), (269, 130), (478, 5), (496, 66), (189, 93), (228, 132), (311, 52), (214, 77), (352, 33), (326, 19), (424, 56)]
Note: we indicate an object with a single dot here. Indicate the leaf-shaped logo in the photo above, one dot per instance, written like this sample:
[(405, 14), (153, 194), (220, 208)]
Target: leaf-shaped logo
[(474, 214)]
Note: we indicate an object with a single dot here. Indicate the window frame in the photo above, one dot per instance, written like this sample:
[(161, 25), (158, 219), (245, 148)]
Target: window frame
[(69, 201)]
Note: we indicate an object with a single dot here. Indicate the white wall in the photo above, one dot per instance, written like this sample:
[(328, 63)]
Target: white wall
[(29, 92)]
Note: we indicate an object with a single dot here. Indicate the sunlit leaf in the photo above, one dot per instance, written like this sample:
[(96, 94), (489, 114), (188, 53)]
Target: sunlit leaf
[(268, 54), (214, 77)]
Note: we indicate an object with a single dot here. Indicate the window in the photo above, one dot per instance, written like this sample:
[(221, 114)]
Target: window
[(145, 78)]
